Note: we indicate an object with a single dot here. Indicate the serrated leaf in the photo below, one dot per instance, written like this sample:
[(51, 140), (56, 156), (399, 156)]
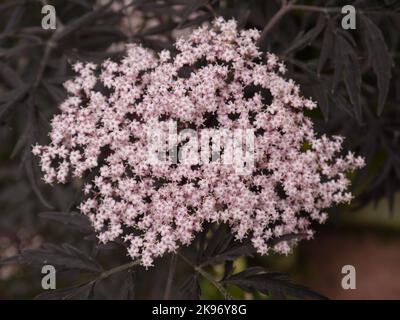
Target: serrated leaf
[(15, 17), (390, 194), (12, 98), (82, 21), (159, 8), (10, 4), (382, 176), (31, 178), (71, 219), (62, 64), (128, 287), (214, 241), (321, 94), (228, 269), (339, 100), (72, 292), (22, 140), (83, 3), (9, 76), (57, 94), (271, 283), (65, 257), (348, 67), (222, 247), (190, 288), (242, 13), (192, 7), (352, 79), (196, 21), (379, 58), (305, 39), (327, 46)]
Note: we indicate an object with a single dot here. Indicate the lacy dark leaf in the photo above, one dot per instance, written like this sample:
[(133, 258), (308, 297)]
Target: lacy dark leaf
[(12, 98), (65, 257), (327, 46), (193, 6), (128, 287), (305, 39), (84, 3), (270, 283), (379, 58), (190, 288), (10, 76), (198, 20), (154, 7), (97, 38), (228, 269), (15, 17), (28, 166), (80, 291), (385, 184), (232, 252), (242, 13), (10, 4), (340, 101), (73, 220), (82, 21), (390, 192), (57, 94), (352, 79), (348, 67), (321, 94), (22, 140), (222, 247)]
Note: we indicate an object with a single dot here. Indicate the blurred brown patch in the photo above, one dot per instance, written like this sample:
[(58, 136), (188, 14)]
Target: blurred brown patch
[(377, 263)]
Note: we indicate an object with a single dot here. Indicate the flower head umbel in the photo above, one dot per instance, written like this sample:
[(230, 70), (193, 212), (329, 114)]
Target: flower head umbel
[(218, 80)]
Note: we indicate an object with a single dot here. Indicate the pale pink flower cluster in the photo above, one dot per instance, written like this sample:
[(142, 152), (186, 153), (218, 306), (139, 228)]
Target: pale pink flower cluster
[(155, 209)]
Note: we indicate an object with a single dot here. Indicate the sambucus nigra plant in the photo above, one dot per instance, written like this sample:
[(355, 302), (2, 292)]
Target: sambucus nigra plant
[(349, 73)]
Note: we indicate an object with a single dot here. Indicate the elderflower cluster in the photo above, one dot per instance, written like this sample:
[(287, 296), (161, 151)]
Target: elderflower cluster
[(218, 79)]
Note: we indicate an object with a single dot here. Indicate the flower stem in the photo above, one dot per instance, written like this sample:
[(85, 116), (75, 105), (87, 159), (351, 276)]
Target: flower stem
[(209, 277)]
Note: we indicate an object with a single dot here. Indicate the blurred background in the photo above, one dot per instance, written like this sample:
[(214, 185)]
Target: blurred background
[(365, 235)]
